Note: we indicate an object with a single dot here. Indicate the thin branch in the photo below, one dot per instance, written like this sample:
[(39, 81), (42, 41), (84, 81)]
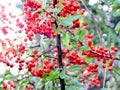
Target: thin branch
[(103, 55), (46, 52), (95, 22), (50, 56)]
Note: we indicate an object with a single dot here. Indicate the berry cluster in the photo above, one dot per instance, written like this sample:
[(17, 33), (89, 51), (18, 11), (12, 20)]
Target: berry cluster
[(88, 38), (76, 24), (9, 85), (70, 7), (102, 54), (20, 61), (39, 72), (92, 68), (94, 81), (75, 59), (9, 52), (21, 48), (47, 66), (35, 24)]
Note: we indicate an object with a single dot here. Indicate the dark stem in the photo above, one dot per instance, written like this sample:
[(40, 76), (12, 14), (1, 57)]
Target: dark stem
[(62, 82), (59, 50)]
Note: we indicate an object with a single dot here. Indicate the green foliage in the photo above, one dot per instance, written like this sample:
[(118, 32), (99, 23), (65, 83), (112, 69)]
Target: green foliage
[(51, 76), (62, 74), (88, 60), (117, 27), (74, 68), (82, 33), (66, 38), (110, 36), (44, 4), (116, 70), (103, 89), (68, 21)]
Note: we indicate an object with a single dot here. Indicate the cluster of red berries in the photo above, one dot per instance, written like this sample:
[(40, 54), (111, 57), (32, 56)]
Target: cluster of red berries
[(102, 54), (20, 62), (21, 48), (31, 65), (47, 66), (93, 68), (95, 81), (34, 52), (70, 7), (88, 38), (74, 58), (47, 28), (9, 52), (76, 24), (39, 72), (35, 24), (8, 85), (19, 24)]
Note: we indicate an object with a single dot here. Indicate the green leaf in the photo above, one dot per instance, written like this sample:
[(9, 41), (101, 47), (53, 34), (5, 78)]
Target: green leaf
[(10, 76), (80, 53), (75, 38), (66, 38), (44, 4), (1, 76), (60, 5), (88, 60), (57, 31), (103, 89), (75, 82), (25, 81), (75, 17), (48, 85), (117, 28), (62, 74), (117, 13), (55, 10), (7, 72), (74, 67), (53, 75), (85, 47), (82, 34), (68, 21), (116, 70)]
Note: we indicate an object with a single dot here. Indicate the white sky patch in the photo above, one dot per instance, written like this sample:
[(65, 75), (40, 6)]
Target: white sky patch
[(13, 10), (11, 35), (92, 2)]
